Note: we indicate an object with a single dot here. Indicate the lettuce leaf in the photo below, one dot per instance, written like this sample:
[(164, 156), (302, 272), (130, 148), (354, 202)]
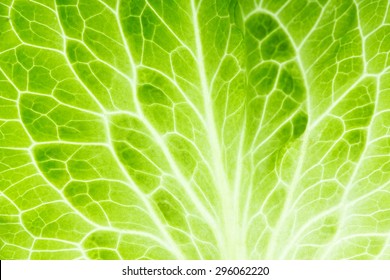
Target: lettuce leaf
[(189, 129)]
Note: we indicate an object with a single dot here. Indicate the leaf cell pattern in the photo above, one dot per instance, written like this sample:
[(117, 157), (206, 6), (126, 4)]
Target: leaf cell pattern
[(194, 129)]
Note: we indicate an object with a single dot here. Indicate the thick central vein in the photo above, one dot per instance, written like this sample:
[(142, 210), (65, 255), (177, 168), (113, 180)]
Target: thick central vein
[(228, 221)]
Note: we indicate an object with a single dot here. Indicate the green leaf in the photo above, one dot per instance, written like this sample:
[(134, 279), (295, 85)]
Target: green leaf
[(221, 129)]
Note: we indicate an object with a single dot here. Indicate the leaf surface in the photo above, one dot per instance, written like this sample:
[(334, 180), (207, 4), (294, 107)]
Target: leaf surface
[(221, 129)]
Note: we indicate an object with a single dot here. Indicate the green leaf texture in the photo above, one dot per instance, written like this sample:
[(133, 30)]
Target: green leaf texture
[(194, 129)]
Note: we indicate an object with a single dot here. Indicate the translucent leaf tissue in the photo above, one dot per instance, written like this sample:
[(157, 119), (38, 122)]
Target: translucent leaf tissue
[(194, 129)]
